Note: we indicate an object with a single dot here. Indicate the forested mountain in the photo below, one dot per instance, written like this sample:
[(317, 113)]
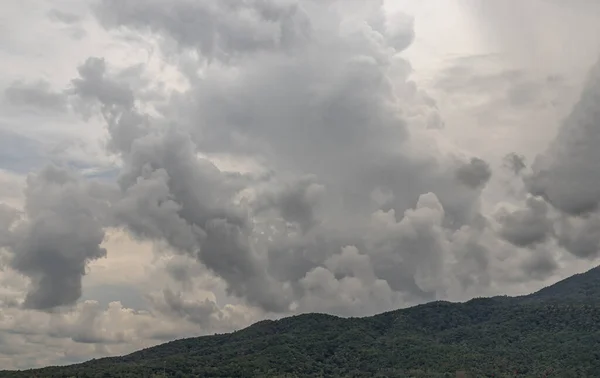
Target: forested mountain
[(554, 332)]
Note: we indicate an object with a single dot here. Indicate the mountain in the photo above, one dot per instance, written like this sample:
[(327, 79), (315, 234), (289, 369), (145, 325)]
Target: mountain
[(553, 332), (580, 287)]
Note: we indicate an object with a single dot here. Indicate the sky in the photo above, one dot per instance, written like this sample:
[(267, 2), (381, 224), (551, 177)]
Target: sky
[(180, 168)]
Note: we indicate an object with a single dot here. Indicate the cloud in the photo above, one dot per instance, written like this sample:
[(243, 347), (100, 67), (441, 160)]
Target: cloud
[(566, 174), (353, 199), (8, 216), (515, 162), (204, 313), (526, 227), (219, 30), (90, 330), (474, 174), (523, 31), (320, 108), (562, 204), (295, 201), (61, 233), (580, 235), (348, 285), (37, 95), (540, 264), (160, 180), (64, 17), (11, 188)]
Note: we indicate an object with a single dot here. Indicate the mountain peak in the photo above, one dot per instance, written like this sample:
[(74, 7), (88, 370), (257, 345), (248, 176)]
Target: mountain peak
[(582, 286)]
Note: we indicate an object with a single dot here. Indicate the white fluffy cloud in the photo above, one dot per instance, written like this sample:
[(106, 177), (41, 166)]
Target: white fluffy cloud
[(198, 167)]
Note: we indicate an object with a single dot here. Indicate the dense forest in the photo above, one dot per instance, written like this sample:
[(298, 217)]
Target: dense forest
[(554, 332)]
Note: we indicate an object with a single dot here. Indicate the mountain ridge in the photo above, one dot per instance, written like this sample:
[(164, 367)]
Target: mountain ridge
[(553, 329)]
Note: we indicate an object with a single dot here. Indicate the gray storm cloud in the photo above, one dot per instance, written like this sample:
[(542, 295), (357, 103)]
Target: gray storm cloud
[(294, 201), (250, 159), (317, 98), (526, 227), (567, 174), (316, 93), (170, 194), (61, 233), (580, 235), (475, 174)]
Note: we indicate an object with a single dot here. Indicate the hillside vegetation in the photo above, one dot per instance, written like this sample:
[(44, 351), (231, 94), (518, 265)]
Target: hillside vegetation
[(554, 332)]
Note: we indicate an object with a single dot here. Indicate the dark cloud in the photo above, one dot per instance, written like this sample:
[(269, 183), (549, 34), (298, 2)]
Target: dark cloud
[(540, 264), (198, 312), (567, 174), (183, 271), (329, 108), (62, 233), (515, 162), (528, 226), (291, 257), (92, 84), (171, 194), (295, 201), (355, 203), (566, 177), (37, 95), (580, 236), (203, 314), (474, 174), (318, 100)]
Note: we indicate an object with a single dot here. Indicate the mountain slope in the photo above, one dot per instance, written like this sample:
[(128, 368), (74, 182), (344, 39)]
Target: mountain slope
[(579, 287), (554, 330)]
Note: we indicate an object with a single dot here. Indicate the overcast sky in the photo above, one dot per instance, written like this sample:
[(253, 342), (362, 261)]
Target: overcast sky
[(185, 167)]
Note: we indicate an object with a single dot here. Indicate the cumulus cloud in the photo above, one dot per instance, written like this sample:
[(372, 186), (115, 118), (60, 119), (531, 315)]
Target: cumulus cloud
[(540, 264), (219, 30), (528, 226), (204, 313), (317, 97), (474, 174), (565, 177), (35, 94), (316, 107), (580, 235), (295, 201), (566, 174), (62, 231), (89, 330), (356, 202), (346, 284), (171, 194)]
